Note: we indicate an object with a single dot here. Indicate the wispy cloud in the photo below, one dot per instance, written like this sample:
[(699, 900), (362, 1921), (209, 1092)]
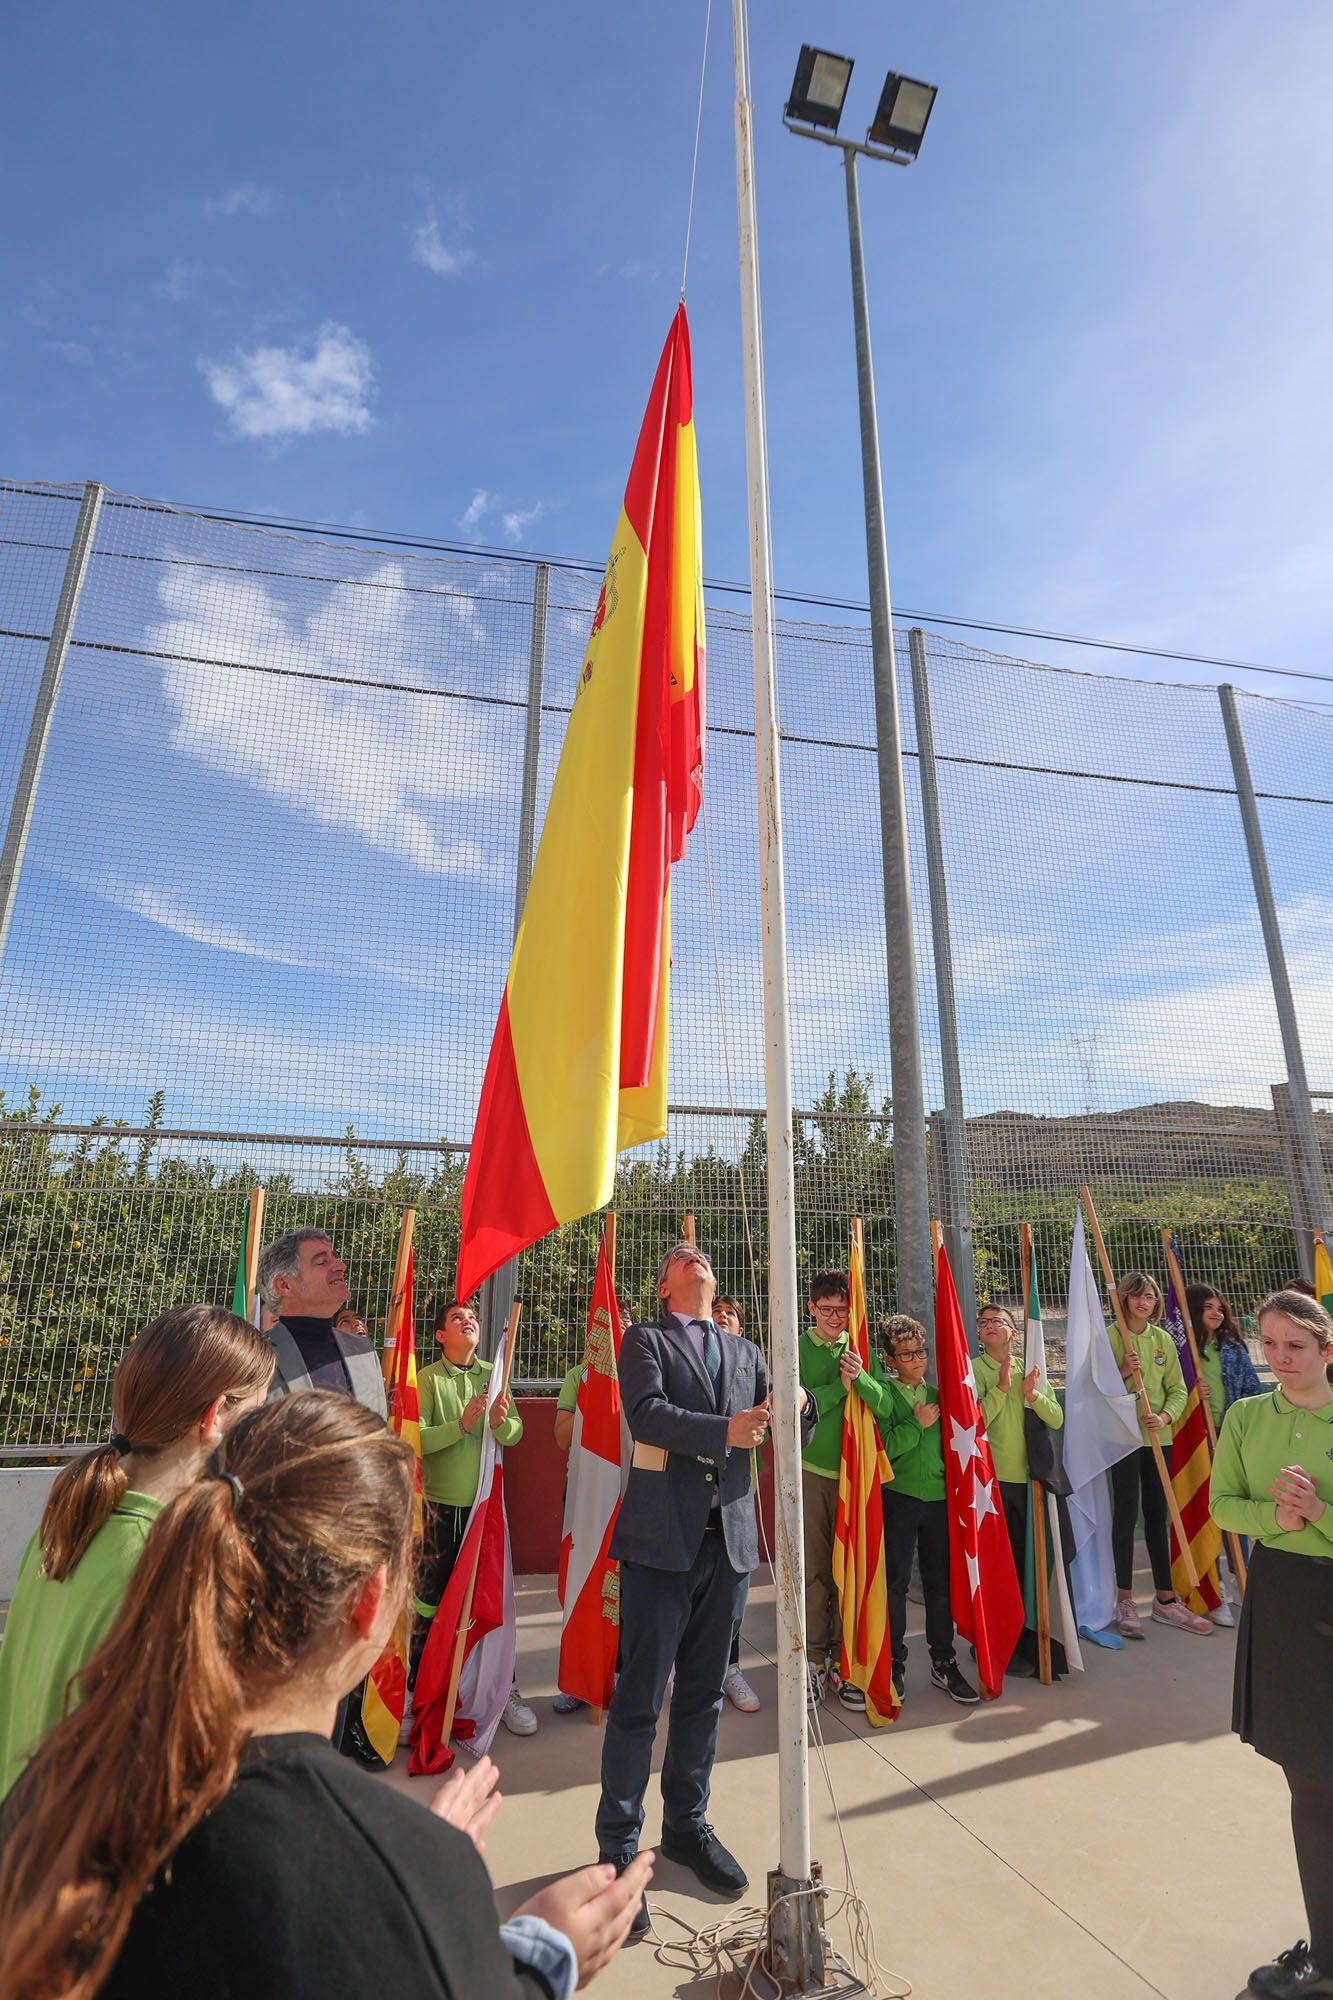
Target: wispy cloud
[(249, 198), (429, 248), (155, 906), (321, 384), (179, 279), (72, 350), (513, 521)]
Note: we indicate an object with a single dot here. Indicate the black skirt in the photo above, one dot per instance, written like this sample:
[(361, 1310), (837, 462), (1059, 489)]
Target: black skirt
[(1284, 1662)]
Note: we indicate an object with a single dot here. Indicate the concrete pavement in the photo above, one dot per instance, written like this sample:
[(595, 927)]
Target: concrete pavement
[(1107, 1838)]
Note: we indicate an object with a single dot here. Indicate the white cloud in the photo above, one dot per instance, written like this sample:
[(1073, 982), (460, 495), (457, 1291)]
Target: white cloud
[(249, 198), (516, 523), (72, 350), (480, 504), (141, 899), (178, 280), (429, 248), (321, 384), (408, 775)]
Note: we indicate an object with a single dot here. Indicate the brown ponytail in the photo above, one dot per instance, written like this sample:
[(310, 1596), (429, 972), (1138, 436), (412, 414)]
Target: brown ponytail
[(241, 1579), (166, 1379)]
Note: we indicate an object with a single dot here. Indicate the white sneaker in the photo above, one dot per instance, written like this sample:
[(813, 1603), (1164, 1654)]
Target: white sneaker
[(1223, 1615), (518, 1718), (739, 1692)]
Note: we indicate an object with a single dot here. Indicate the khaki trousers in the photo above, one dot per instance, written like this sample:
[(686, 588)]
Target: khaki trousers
[(823, 1621)]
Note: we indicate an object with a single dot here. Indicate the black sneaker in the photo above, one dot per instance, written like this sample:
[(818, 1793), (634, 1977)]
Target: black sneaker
[(641, 1922), (946, 1675), (700, 1849), (1292, 1974)]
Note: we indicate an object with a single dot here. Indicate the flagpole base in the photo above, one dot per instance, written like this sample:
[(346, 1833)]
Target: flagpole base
[(796, 1958)]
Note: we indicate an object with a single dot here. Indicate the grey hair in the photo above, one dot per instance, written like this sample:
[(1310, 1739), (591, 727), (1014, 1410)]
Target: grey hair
[(279, 1259), (676, 1251)]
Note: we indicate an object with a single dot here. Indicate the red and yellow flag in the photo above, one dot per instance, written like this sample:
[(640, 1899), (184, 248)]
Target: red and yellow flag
[(1323, 1273), (859, 1569), (589, 1575), (385, 1695), (577, 1068), (1191, 1468)]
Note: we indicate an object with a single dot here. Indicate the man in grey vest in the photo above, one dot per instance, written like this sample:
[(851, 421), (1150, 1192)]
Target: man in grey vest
[(304, 1281)]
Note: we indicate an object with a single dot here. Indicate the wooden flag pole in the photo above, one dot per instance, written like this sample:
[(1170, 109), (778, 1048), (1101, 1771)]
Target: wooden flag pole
[(936, 1242), (1131, 1355), (1177, 1278), (1037, 1493), (254, 1229), (687, 1234), (406, 1231), (465, 1617)]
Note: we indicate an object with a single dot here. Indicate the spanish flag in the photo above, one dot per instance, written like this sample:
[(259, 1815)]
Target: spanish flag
[(859, 1570), (384, 1696), (577, 1068)]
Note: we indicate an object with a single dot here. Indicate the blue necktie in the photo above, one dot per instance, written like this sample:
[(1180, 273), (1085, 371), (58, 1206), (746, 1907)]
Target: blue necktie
[(712, 1351)]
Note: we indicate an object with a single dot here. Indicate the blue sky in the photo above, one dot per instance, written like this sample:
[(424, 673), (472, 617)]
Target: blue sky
[(411, 270), (448, 240)]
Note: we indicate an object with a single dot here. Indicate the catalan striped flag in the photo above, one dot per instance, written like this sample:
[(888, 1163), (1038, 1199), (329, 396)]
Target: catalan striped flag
[(385, 1695), (859, 1563), (1323, 1273), (1191, 1466), (577, 1069)]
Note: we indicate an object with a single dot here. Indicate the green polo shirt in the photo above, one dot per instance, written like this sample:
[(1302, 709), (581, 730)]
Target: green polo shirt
[(568, 1399), (1210, 1368), (1003, 1410), (1163, 1382), (53, 1629), (1259, 1436), (916, 1451), (819, 1362), (451, 1456)]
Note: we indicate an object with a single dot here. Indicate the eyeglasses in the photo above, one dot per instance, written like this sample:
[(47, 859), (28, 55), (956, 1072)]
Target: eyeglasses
[(907, 1353)]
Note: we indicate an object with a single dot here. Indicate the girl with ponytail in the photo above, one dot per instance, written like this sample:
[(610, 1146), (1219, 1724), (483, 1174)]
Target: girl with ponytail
[(186, 1378), (189, 1823)]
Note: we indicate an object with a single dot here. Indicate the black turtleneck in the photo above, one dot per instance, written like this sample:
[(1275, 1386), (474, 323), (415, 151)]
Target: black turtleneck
[(319, 1351)]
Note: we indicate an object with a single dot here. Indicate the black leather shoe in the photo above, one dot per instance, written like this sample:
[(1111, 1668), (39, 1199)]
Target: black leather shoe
[(1291, 1976), (700, 1850), (641, 1922)]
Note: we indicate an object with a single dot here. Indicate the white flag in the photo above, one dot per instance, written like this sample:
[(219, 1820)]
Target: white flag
[(1101, 1428)]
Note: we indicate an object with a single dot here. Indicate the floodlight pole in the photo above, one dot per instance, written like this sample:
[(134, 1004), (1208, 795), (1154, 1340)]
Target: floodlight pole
[(916, 1291)]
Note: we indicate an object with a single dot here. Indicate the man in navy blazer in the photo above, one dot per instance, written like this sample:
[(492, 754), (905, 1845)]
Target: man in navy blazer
[(696, 1402)]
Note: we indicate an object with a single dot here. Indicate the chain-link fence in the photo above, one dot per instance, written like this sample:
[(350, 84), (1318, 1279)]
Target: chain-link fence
[(267, 896)]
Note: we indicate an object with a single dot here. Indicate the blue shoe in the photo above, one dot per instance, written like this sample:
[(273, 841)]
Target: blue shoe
[(1110, 1638), (568, 1704)]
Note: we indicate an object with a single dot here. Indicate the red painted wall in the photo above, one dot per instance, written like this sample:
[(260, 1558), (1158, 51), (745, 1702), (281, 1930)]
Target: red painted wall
[(534, 1484)]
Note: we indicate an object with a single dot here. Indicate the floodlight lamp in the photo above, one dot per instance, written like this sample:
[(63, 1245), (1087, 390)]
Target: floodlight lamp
[(904, 109), (819, 88)]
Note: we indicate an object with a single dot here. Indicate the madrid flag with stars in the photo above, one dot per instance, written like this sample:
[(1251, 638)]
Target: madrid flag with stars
[(987, 1601), (577, 1069)]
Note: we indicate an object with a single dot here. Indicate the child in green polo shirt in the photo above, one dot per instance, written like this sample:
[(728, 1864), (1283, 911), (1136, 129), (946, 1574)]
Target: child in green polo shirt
[(916, 1513), (1137, 1475), (452, 1396), (829, 1369), (1006, 1394)]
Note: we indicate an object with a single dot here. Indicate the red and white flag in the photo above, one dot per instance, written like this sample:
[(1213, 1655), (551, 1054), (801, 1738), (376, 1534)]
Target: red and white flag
[(486, 1605), (987, 1602), (589, 1578)]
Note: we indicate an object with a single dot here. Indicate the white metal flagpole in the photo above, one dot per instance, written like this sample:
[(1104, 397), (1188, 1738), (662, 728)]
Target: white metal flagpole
[(795, 1938)]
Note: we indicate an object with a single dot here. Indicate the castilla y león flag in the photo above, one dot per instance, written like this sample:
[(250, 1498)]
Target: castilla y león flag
[(983, 1583), (577, 1068), (589, 1577), (858, 1536)]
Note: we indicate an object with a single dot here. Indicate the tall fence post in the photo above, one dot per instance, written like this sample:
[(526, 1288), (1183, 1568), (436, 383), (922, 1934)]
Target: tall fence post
[(1297, 1182), (953, 1181), (43, 708), (499, 1288), (1302, 1113)]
